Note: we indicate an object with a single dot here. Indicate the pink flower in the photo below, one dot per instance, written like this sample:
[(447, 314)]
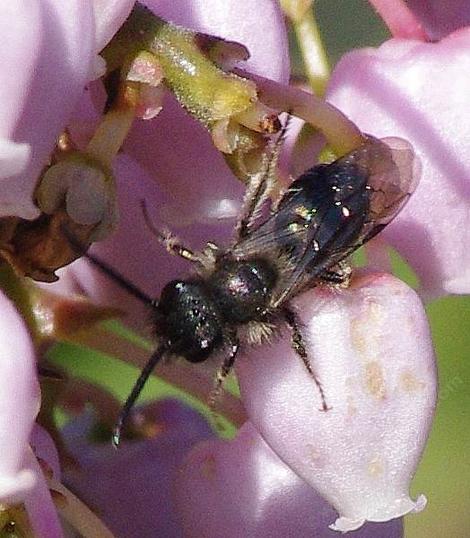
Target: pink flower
[(48, 56), (132, 488), (44, 75), (241, 488), (21, 478), (372, 351), (417, 90), (440, 18), (19, 403)]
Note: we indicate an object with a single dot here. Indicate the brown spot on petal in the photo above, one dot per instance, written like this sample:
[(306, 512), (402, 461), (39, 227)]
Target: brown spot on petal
[(59, 499), (352, 408), (314, 455), (374, 312), (209, 468), (375, 467), (45, 467), (410, 383), (375, 382), (358, 338)]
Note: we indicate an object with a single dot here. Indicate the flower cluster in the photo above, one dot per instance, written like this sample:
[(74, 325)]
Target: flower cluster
[(106, 104)]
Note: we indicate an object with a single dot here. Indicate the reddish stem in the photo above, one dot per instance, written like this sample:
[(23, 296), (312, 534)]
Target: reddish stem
[(400, 20)]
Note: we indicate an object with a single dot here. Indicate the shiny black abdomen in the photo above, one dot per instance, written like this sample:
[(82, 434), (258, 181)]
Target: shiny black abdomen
[(242, 288), (189, 320)]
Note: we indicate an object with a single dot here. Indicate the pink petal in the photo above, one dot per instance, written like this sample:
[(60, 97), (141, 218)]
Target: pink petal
[(417, 91), (400, 19), (241, 488), (109, 16), (44, 449), (179, 155), (132, 487), (14, 158), (45, 66), (371, 348), (18, 56), (39, 505), (19, 403), (441, 18)]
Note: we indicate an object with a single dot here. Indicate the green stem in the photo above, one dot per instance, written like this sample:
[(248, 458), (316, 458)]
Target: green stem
[(313, 52), (202, 88)]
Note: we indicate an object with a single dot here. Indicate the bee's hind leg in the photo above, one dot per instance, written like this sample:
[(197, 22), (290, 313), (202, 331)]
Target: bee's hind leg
[(298, 346), (222, 374), (340, 275)]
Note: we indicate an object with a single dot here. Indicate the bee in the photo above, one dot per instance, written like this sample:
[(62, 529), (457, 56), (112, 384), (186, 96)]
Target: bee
[(236, 295)]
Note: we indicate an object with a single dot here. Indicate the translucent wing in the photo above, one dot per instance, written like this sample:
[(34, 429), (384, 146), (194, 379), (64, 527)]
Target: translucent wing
[(330, 211)]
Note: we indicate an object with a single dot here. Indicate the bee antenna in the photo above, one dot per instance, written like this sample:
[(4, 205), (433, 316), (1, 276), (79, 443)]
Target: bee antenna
[(135, 392), (148, 221), (122, 281)]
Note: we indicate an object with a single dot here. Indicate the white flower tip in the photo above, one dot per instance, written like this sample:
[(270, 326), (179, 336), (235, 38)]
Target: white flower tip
[(420, 504), (346, 524), (13, 489), (401, 507), (98, 67), (14, 157)]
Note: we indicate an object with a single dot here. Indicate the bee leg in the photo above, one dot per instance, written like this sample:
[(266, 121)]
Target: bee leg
[(222, 374), (261, 186), (340, 275), (173, 245), (169, 241), (298, 346), (254, 198)]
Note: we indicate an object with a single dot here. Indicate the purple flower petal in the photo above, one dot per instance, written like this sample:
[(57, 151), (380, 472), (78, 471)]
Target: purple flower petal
[(441, 18), (241, 488), (109, 16), (39, 505), (44, 449), (417, 91), (46, 61), (371, 349), (132, 487), (19, 403)]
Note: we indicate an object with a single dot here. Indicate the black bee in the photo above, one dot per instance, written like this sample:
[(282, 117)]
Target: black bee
[(240, 293)]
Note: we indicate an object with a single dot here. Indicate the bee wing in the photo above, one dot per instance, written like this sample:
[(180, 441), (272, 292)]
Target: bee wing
[(330, 211), (393, 177)]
